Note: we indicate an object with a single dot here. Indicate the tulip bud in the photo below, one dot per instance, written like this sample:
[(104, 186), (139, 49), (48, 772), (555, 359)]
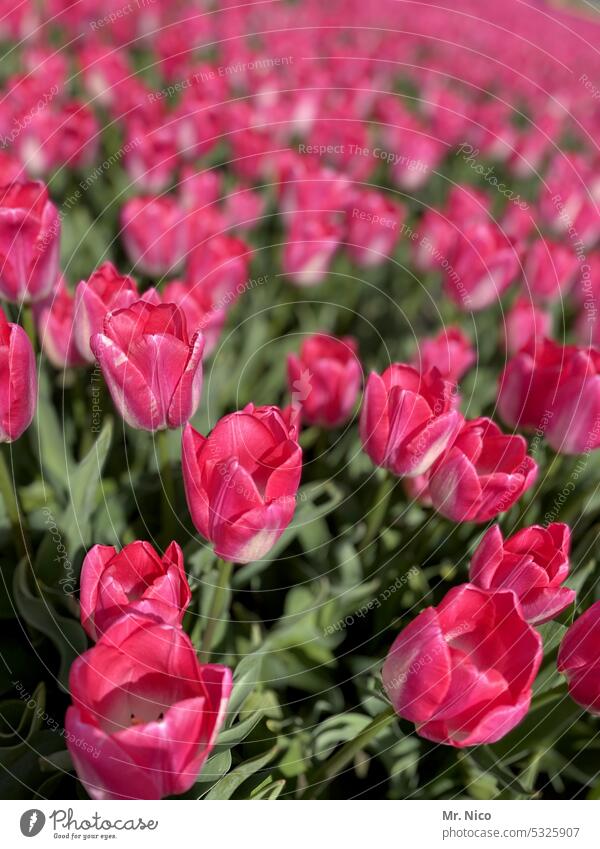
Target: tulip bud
[(105, 291), (450, 352), (524, 324), (312, 241), (145, 712), (407, 419), (578, 659), (132, 580), (218, 267), (154, 234), (550, 269), (533, 563), (325, 380), (18, 381), (152, 369), (462, 671), (55, 323), (241, 481), (374, 224), (29, 254), (195, 303)]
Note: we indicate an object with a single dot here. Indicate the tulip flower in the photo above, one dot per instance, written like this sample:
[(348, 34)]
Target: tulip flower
[(408, 419), (154, 234), (29, 253), (483, 474), (373, 227), (57, 334), (579, 660), (550, 269), (132, 580), (555, 389), (450, 352), (481, 265), (462, 671), (18, 380), (524, 324), (325, 379), (533, 563), (146, 710), (152, 368), (200, 314), (218, 267), (105, 291), (311, 244), (241, 481)]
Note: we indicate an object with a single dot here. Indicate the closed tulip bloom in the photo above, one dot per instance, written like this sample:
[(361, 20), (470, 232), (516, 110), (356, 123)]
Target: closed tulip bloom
[(241, 481), (311, 244), (147, 710), (200, 314), (550, 269), (154, 234), (218, 268), (483, 474), (325, 379), (524, 323), (152, 368), (55, 323), (18, 380), (135, 579), (462, 671), (579, 659), (481, 266), (30, 244), (557, 389), (105, 291), (407, 419), (533, 563), (450, 352), (374, 223)]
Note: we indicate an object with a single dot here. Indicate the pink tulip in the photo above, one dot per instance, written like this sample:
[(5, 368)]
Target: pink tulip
[(533, 563), (373, 227), (195, 303), (152, 368), (133, 580), (450, 352), (579, 659), (408, 419), (105, 291), (219, 268), (241, 481), (311, 243), (462, 671), (146, 709), (154, 234), (151, 154), (550, 269), (481, 266), (524, 324), (555, 389), (29, 253), (483, 474), (55, 318), (18, 380), (325, 379)]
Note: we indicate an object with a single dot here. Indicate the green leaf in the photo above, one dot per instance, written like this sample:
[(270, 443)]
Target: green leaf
[(66, 634), (268, 789), (76, 520), (226, 787), (245, 678), (236, 734)]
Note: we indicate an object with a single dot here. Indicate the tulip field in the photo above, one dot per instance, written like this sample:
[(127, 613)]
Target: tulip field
[(299, 400)]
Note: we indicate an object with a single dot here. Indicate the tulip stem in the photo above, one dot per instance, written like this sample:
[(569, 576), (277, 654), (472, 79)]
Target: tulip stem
[(215, 614), (380, 507), (11, 502), (348, 752), (165, 471), (29, 325)]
